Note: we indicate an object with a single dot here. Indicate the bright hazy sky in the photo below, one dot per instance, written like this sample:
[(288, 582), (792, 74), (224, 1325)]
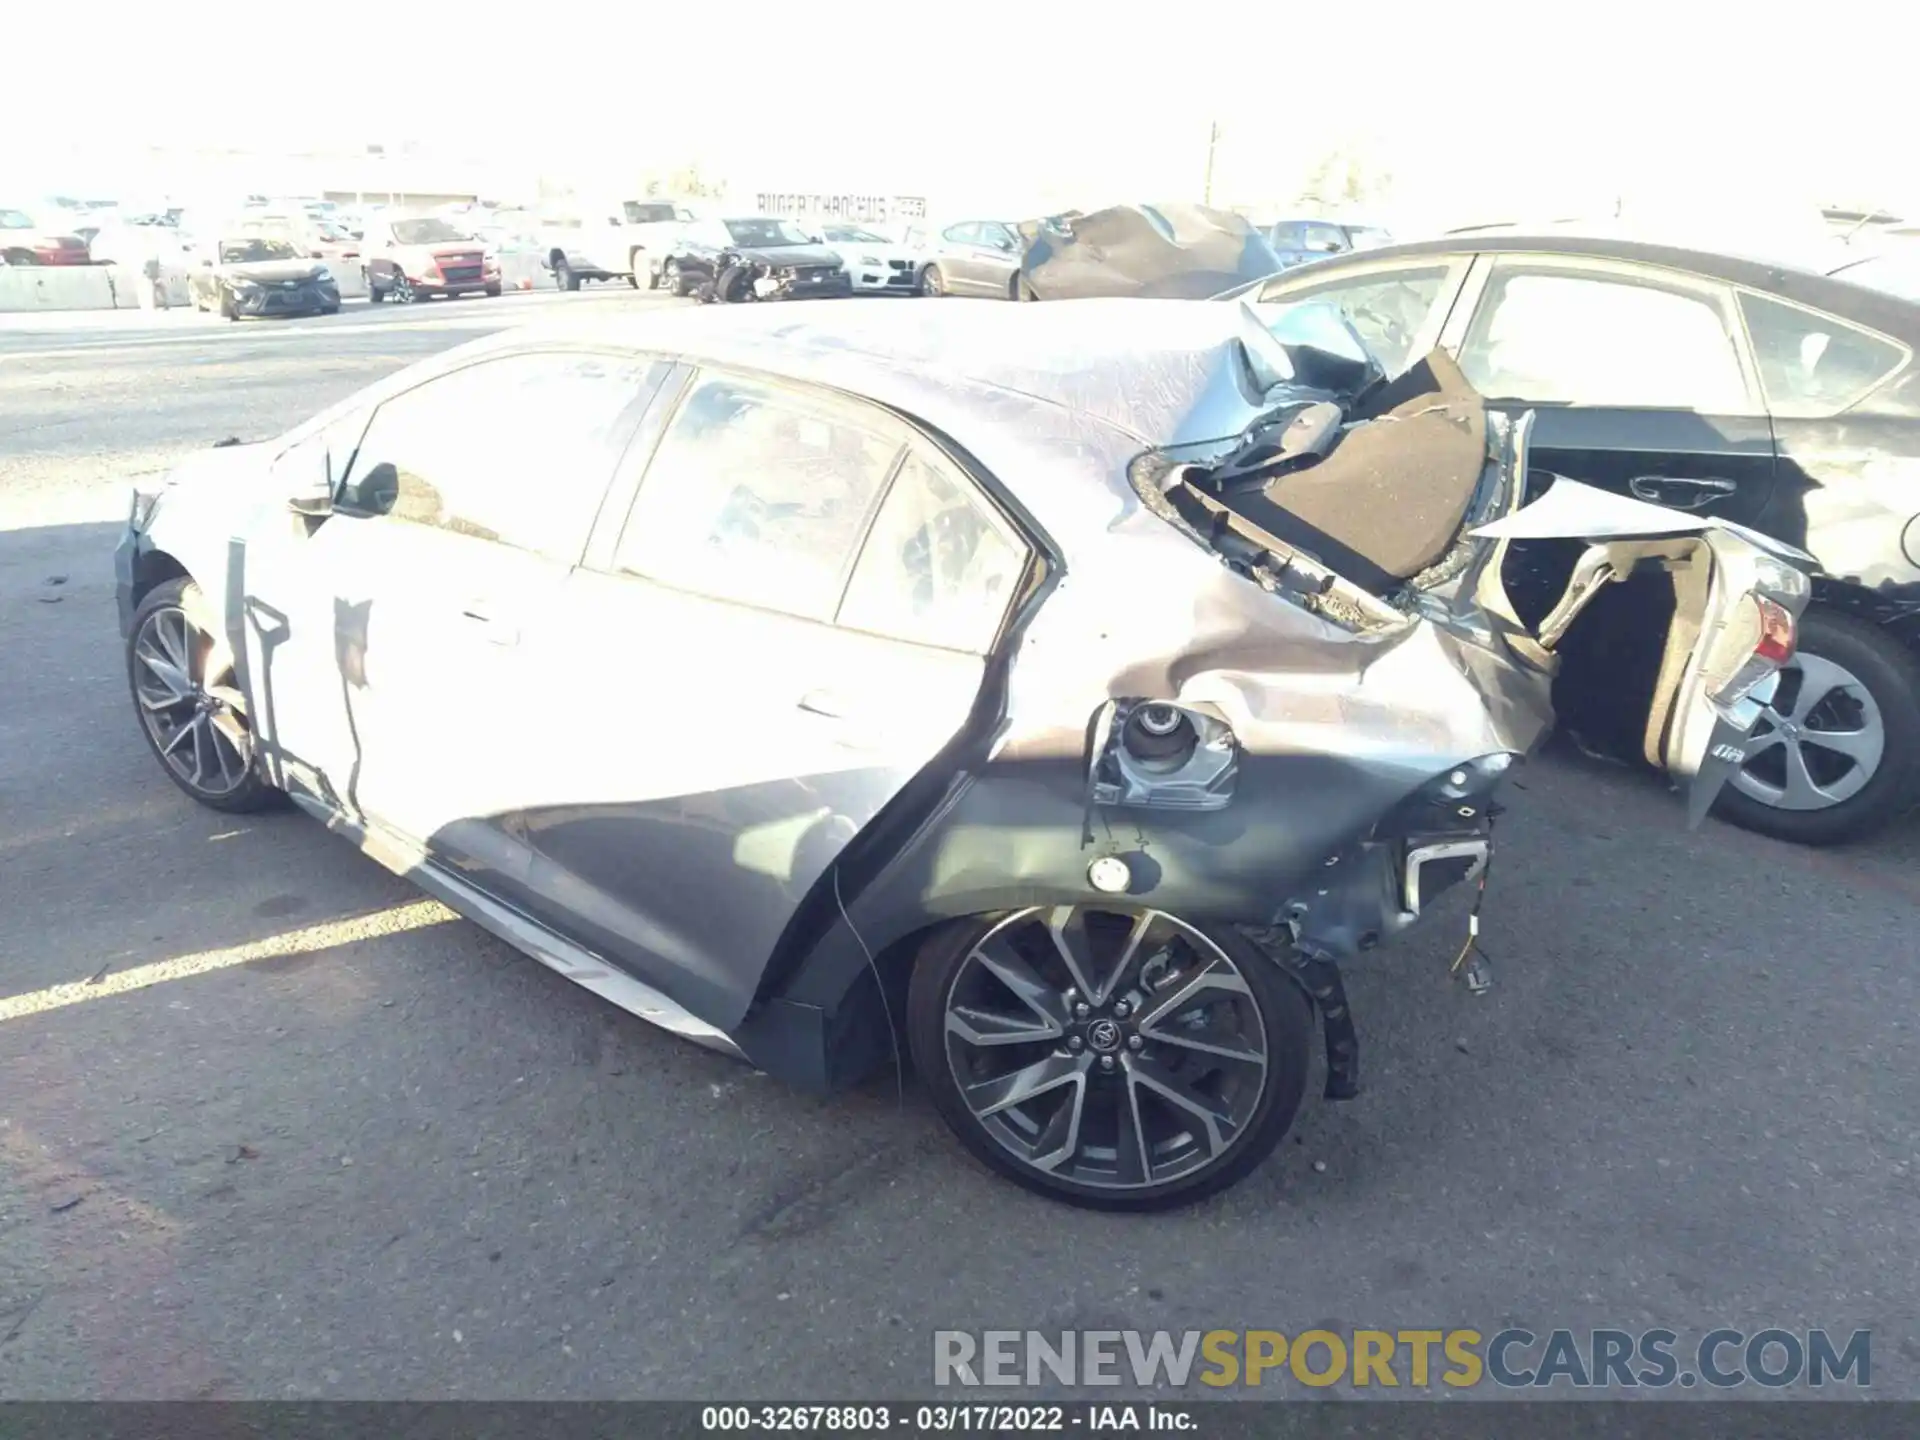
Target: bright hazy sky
[(1494, 107)]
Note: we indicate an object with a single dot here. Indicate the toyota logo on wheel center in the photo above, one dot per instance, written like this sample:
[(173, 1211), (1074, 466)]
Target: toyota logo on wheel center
[(1104, 1036)]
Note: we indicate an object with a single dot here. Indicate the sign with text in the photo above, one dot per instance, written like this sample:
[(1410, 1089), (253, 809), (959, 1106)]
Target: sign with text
[(871, 208)]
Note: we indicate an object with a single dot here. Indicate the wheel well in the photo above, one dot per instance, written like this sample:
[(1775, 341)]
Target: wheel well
[(1894, 607), (556, 256), (153, 570)]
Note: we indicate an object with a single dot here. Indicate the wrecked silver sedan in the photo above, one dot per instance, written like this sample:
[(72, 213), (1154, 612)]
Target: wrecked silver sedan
[(1060, 693)]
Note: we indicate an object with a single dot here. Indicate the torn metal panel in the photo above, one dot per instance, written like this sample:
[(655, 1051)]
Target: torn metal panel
[(1172, 251)]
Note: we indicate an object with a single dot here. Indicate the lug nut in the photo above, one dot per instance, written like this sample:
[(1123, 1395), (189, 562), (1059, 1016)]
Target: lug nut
[(1121, 1008), (1081, 1011), (1074, 1042), (1106, 1062), (1134, 1042)]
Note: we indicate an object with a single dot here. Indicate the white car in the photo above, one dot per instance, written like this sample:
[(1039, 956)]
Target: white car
[(875, 264), (626, 241)]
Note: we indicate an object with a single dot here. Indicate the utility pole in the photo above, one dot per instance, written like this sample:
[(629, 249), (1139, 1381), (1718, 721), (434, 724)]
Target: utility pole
[(1213, 143)]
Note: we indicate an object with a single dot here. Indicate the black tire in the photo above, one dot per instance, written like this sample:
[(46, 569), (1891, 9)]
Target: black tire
[(1021, 290), (374, 293), (734, 285), (563, 274), (227, 308), (182, 596), (1890, 674), (493, 292), (933, 284), (1285, 1018), (330, 310), (675, 282)]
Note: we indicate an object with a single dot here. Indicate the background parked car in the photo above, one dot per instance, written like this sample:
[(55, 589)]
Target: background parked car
[(409, 258), (1298, 241), (973, 257), (874, 263), (252, 274), (1772, 396), (752, 257), (25, 240), (312, 234)]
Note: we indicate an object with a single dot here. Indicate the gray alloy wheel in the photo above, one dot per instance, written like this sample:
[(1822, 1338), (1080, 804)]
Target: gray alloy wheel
[(675, 282), (1821, 745), (932, 284), (1836, 756), (1117, 1058), (402, 289), (187, 696), (563, 275)]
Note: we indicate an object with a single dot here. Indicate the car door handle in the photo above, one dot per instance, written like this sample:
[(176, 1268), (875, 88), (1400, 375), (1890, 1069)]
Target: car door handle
[(1680, 492), (497, 630)]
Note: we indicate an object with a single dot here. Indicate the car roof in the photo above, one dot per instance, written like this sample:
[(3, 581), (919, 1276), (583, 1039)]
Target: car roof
[(1031, 390), (1790, 281)]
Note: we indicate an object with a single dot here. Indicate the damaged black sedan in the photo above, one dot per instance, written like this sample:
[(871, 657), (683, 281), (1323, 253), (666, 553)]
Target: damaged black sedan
[(252, 275), (1058, 694), (755, 257)]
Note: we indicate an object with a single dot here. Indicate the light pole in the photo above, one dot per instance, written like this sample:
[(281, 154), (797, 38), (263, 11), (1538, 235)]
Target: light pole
[(1213, 143)]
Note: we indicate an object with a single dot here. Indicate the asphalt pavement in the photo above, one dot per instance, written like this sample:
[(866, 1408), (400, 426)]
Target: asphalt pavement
[(272, 1126)]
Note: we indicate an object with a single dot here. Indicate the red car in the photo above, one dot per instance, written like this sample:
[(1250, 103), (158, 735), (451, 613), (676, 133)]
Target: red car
[(419, 258), (24, 242)]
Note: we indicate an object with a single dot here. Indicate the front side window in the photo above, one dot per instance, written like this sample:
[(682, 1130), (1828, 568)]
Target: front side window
[(1389, 310), (758, 495), (1586, 339), (1813, 364), (517, 450), (961, 234), (935, 569)]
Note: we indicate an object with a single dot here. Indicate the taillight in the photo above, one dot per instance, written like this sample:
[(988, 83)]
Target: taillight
[(1777, 632)]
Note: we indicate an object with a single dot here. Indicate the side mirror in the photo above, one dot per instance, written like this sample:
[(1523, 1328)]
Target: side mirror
[(1003, 242), (314, 498)]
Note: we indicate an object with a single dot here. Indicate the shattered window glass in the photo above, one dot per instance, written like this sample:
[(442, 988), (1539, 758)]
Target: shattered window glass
[(1595, 340), (1388, 310), (935, 570), (757, 495), (1813, 364)]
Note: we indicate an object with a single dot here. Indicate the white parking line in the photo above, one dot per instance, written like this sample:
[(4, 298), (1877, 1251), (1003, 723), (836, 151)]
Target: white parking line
[(416, 915)]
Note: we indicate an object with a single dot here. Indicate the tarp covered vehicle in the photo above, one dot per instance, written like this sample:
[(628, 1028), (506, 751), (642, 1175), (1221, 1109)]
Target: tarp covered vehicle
[(1149, 252)]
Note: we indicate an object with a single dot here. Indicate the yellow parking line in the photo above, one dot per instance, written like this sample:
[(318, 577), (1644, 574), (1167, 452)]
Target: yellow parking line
[(416, 915)]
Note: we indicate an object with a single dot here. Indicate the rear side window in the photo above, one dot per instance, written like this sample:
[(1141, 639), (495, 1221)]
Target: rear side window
[(517, 450), (1589, 339), (936, 568), (758, 495), (640, 213), (1813, 364)]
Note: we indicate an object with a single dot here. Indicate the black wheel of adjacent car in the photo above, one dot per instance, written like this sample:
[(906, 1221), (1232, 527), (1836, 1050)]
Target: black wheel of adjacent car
[(734, 285), (227, 308), (1116, 1058), (563, 274), (180, 669), (330, 310), (636, 266), (932, 283), (1021, 290), (493, 292), (1837, 754), (374, 293)]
